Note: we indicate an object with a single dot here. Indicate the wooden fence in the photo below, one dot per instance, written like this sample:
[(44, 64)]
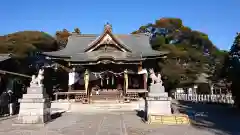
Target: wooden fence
[(208, 98)]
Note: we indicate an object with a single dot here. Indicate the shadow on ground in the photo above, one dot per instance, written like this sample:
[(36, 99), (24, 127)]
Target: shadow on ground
[(142, 115), (56, 115), (220, 119)]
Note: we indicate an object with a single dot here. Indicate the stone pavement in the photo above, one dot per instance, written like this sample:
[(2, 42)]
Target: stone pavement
[(107, 123)]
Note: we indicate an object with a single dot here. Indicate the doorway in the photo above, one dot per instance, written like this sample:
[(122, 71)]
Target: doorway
[(109, 87)]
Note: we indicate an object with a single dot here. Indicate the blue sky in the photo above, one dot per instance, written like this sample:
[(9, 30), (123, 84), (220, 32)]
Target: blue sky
[(220, 19)]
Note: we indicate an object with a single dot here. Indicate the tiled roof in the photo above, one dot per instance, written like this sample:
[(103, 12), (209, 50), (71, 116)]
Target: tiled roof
[(4, 57), (138, 43), (115, 55)]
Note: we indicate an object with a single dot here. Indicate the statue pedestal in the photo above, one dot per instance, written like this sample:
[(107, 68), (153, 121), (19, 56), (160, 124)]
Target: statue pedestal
[(158, 102), (34, 106), (157, 90), (160, 106)]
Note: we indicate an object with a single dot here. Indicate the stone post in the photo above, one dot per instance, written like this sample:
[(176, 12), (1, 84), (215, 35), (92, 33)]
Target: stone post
[(10, 109), (195, 87), (212, 89)]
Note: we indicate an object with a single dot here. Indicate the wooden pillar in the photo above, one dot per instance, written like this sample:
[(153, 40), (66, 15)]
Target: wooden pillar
[(86, 83), (145, 81), (68, 97), (70, 88), (56, 96), (125, 81), (86, 80), (144, 76), (140, 67)]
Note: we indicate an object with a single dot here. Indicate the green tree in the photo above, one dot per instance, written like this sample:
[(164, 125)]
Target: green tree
[(191, 51), (77, 30), (23, 42), (231, 68), (62, 38), (157, 42)]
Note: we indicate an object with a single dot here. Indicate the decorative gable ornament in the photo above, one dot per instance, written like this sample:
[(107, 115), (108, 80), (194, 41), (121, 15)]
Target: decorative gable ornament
[(108, 27), (107, 38)]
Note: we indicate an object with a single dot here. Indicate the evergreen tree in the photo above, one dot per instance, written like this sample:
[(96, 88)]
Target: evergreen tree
[(233, 68), (77, 30), (234, 57)]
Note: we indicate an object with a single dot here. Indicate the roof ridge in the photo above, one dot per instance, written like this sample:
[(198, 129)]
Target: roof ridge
[(142, 34), (5, 54), (84, 35), (96, 35)]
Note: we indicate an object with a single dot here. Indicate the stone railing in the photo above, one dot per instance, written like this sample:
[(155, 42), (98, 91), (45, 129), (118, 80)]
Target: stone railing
[(208, 98)]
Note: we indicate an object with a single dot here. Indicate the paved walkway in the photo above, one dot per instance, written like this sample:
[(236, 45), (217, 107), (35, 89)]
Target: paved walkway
[(125, 123), (128, 123)]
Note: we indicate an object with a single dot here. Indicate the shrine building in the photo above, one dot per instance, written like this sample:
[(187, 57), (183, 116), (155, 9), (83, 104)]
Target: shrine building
[(107, 66)]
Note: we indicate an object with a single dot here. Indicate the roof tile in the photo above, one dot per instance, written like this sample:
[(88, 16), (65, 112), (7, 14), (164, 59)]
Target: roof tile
[(138, 43)]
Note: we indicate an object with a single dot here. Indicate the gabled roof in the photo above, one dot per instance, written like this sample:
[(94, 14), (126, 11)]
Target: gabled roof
[(78, 45), (4, 57), (114, 55), (107, 32)]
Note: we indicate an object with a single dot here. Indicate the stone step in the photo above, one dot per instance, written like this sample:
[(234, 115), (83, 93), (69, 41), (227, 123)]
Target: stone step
[(34, 96), (77, 107), (36, 90), (105, 101), (33, 100), (104, 97)]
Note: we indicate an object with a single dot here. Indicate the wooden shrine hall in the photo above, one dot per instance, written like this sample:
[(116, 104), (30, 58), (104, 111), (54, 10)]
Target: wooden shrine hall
[(108, 65)]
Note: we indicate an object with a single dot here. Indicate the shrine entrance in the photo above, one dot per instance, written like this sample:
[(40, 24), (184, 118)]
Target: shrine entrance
[(108, 86), (115, 82), (108, 83)]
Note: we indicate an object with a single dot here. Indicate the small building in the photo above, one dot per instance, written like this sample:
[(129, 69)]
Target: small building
[(4, 62), (9, 78), (111, 63)]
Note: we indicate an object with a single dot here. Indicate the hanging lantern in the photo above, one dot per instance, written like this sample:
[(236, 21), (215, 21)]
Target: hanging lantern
[(107, 80), (101, 82), (112, 80)]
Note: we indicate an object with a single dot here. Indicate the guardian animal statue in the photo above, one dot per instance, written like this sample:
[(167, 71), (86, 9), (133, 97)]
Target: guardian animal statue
[(154, 78), (37, 81), (33, 81)]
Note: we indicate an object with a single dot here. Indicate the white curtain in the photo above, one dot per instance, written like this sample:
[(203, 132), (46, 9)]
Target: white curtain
[(144, 71), (73, 77)]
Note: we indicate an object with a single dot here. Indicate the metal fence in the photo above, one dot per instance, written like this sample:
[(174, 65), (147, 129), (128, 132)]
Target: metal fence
[(208, 98)]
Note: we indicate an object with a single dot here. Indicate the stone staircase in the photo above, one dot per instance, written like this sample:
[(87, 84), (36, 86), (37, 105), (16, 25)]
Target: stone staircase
[(105, 101), (102, 106), (106, 95)]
